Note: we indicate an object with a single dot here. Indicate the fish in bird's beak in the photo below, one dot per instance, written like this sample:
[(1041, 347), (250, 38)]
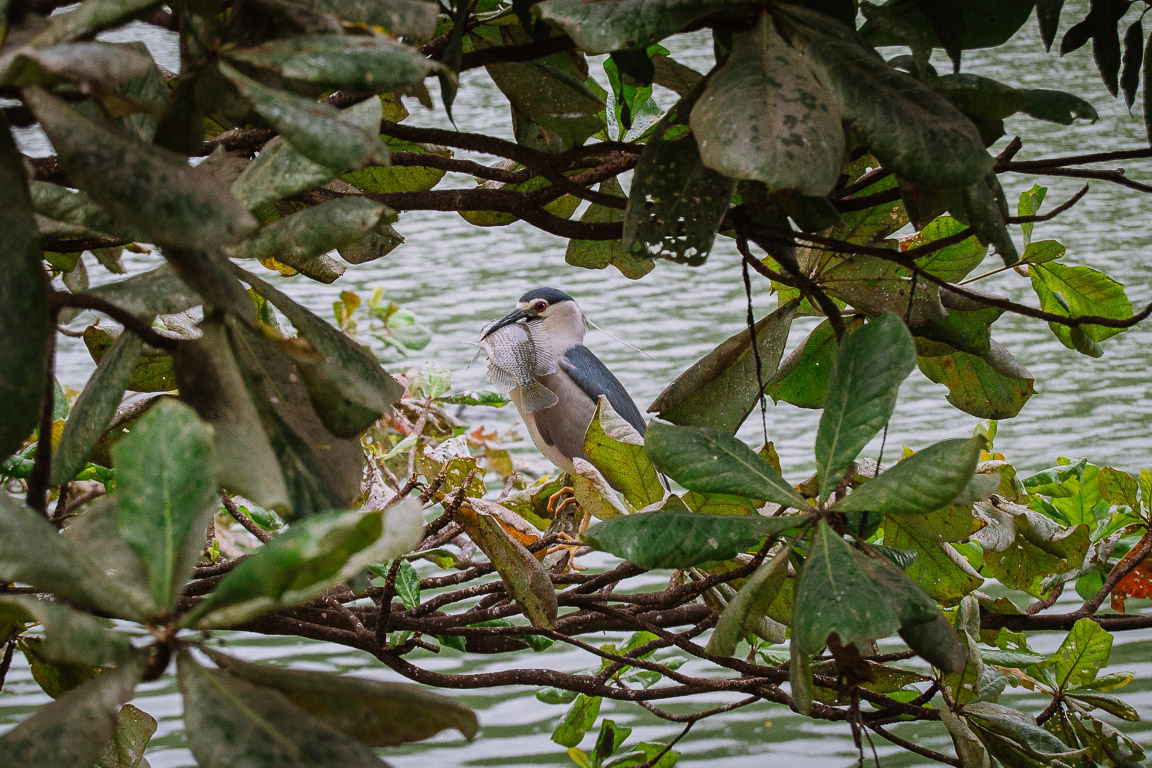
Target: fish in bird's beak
[(514, 316)]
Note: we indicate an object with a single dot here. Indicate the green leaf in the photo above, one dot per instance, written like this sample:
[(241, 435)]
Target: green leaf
[(862, 387), (380, 179), (1082, 655), (925, 481), (92, 65), (800, 678), (211, 381), (1034, 548), (165, 498), (663, 220), (153, 371), (87, 18), (992, 386), (1084, 291), (148, 294), (802, 378), (616, 449), (350, 388), (302, 239), (375, 713), (74, 729), (133, 731), (232, 722), (1106, 744), (408, 585), (307, 560), (95, 408), (593, 493), (523, 575), (721, 389), (765, 116), (745, 611), (953, 262), (32, 551), (910, 128), (411, 18), (581, 716), (23, 305), (316, 130), (938, 568), (1019, 729), (1109, 704), (70, 637), (712, 462), (678, 539), (603, 26), (143, 187), (377, 63), (1117, 487), (598, 254)]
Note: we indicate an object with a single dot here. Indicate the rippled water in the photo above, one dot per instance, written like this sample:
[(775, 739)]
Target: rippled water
[(456, 277)]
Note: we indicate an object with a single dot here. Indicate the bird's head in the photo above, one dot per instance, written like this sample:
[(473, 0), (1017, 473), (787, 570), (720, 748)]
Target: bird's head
[(562, 319)]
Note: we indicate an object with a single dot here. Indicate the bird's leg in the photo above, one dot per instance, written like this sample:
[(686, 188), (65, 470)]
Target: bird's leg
[(557, 502), (561, 507)]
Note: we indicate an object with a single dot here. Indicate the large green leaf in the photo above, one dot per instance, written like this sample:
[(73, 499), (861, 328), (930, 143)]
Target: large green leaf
[(802, 377), (153, 371), (74, 729), (211, 382), (678, 539), (1018, 728), (317, 130), (70, 637), (377, 63), (381, 179), (598, 254), (411, 18), (616, 449), (676, 203), (523, 575), (910, 128), (92, 65), (376, 713), (765, 116), (869, 368), (942, 571), (232, 722), (23, 305), (281, 170), (95, 407), (603, 26), (143, 187), (148, 294), (993, 386), (923, 482), (166, 499), (953, 262), (348, 387), (1082, 655), (33, 552), (1022, 547), (712, 462), (973, 23), (721, 389), (302, 239), (307, 560), (858, 596), (1068, 290), (987, 99), (745, 611), (134, 729), (89, 17)]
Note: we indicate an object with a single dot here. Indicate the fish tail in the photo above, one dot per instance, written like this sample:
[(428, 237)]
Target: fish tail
[(537, 397)]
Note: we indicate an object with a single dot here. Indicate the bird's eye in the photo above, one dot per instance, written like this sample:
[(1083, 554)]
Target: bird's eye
[(540, 306)]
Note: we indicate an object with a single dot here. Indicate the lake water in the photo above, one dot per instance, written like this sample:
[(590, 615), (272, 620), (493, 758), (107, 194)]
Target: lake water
[(456, 277)]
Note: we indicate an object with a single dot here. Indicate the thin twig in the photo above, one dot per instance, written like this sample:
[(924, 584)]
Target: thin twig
[(913, 747), (248, 523), (41, 474), (150, 335)]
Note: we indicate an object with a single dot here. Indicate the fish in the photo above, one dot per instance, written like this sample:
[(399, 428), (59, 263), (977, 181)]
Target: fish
[(518, 354)]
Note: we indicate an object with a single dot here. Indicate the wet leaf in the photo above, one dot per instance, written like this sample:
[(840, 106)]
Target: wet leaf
[(413, 18), (953, 262), (89, 17), (375, 713), (1109, 704), (712, 462), (942, 571), (678, 539), (73, 729), (722, 388), (95, 407), (153, 371), (232, 722), (744, 612), (802, 378), (599, 254), (92, 65), (148, 294), (616, 449), (377, 63), (1081, 656), (142, 187), (316, 130), (165, 498), (70, 637), (866, 376), (925, 481), (134, 730), (593, 493), (765, 116), (992, 386), (1017, 728), (581, 716), (603, 26), (1084, 291), (380, 179), (307, 560)]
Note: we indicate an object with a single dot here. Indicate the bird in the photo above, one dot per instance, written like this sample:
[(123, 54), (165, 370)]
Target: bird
[(537, 353)]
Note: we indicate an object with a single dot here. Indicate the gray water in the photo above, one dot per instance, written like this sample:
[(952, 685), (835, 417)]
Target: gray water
[(456, 277)]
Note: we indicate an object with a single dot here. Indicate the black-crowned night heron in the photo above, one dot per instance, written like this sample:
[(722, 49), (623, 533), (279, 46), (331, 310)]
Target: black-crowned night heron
[(537, 353)]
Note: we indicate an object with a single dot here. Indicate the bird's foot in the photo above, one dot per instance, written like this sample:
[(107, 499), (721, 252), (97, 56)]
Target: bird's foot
[(560, 501), (572, 549)]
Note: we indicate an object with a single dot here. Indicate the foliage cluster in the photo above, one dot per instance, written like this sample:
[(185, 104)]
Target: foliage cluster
[(282, 141)]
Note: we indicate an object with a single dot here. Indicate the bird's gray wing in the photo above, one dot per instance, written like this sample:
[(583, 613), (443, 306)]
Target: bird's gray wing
[(594, 378)]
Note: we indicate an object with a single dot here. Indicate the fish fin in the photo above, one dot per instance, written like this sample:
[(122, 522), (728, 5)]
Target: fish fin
[(502, 379), (537, 397), (545, 364)]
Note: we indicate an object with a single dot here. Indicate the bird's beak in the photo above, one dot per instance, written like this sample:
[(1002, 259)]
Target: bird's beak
[(514, 316)]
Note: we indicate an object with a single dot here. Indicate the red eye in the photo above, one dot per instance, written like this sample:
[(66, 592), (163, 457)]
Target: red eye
[(540, 306)]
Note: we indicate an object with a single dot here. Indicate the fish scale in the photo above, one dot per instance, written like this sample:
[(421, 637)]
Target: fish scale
[(517, 354)]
